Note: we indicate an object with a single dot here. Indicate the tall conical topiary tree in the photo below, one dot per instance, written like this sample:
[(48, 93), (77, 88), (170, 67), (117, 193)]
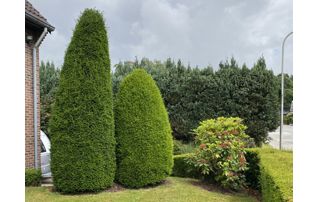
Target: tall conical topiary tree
[(143, 132), (82, 125)]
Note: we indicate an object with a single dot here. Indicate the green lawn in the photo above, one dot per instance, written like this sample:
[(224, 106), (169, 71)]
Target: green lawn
[(175, 189)]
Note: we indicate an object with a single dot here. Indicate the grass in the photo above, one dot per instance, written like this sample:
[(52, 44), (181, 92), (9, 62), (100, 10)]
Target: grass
[(174, 189)]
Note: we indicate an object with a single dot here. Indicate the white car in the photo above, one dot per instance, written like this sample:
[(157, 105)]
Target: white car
[(45, 155)]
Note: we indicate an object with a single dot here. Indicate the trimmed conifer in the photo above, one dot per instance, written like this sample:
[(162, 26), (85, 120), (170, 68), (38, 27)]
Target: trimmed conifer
[(82, 125), (143, 132)]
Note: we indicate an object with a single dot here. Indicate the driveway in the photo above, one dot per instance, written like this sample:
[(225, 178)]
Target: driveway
[(287, 137)]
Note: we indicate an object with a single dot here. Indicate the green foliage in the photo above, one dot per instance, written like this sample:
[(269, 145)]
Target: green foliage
[(183, 169), (192, 94), (288, 91), (253, 172), (82, 125), (262, 99), (288, 118), (265, 172), (143, 133), (173, 81), (249, 94), (221, 151), (276, 177), (177, 145), (32, 177), (49, 81), (182, 148)]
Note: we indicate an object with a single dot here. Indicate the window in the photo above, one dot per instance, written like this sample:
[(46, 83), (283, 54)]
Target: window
[(43, 149)]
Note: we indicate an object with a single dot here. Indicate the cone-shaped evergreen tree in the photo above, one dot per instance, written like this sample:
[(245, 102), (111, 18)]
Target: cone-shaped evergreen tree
[(82, 125), (143, 132)]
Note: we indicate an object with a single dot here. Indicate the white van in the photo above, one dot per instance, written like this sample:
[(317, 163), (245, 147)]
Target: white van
[(45, 155)]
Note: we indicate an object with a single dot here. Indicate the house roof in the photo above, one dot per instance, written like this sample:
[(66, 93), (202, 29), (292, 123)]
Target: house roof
[(35, 19)]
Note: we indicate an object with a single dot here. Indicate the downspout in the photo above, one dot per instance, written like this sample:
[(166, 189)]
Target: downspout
[(35, 100)]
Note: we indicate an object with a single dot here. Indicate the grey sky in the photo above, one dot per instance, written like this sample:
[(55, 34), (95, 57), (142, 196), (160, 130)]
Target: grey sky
[(202, 32)]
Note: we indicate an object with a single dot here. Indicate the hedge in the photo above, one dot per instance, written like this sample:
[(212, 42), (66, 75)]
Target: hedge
[(82, 125), (195, 94), (183, 169), (270, 171), (32, 177), (276, 177), (143, 132), (253, 172)]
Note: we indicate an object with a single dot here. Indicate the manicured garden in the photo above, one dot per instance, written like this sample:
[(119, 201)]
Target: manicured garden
[(270, 172), (121, 147)]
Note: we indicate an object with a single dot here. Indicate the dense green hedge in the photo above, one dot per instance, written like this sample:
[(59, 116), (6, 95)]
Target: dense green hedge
[(276, 177), (253, 172), (182, 169), (192, 95), (82, 125), (143, 133), (270, 171), (32, 177)]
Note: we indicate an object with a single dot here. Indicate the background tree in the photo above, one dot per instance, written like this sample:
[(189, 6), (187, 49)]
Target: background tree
[(288, 91), (195, 94), (82, 125), (231, 89), (263, 102), (143, 133), (49, 81)]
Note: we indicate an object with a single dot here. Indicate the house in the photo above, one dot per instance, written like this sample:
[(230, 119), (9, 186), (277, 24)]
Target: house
[(36, 28)]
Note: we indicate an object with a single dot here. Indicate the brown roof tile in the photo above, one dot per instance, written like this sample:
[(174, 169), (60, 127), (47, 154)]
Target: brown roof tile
[(30, 10)]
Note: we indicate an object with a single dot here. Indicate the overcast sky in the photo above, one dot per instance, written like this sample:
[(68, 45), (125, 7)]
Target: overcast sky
[(202, 32)]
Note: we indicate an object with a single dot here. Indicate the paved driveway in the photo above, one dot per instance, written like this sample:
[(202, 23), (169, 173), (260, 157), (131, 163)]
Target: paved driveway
[(287, 137)]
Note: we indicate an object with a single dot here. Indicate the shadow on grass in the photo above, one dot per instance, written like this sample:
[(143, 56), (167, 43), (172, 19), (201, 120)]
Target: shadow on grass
[(211, 187), (116, 187), (217, 188)]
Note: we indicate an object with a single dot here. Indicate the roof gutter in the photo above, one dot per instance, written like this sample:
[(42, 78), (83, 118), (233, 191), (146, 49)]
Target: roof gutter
[(38, 22), (35, 100)]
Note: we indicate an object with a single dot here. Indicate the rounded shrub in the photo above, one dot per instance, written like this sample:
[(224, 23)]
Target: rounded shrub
[(82, 124), (32, 177), (221, 151), (143, 132)]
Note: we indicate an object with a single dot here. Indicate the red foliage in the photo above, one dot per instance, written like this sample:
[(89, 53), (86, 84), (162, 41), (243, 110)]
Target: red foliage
[(202, 146), (235, 132)]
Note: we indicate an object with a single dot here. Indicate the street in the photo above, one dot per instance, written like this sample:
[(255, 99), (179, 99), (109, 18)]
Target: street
[(287, 137)]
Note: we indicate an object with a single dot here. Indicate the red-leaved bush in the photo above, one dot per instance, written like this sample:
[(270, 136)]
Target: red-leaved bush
[(221, 151)]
